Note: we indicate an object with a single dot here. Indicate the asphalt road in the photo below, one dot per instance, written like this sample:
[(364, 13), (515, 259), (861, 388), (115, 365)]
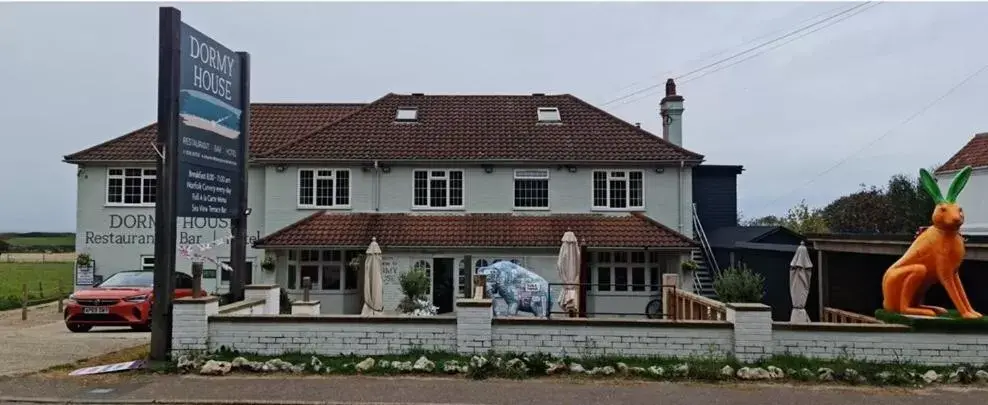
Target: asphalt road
[(42, 341), (443, 391)]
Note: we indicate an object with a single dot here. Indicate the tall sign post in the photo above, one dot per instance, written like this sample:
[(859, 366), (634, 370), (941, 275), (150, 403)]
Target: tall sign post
[(203, 121)]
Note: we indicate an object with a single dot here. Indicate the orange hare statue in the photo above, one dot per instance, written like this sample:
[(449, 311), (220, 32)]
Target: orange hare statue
[(935, 256)]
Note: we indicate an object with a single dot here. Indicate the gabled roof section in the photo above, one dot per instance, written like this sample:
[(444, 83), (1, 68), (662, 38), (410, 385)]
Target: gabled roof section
[(475, 230), (974, 154), (482, 128), (271, 125)]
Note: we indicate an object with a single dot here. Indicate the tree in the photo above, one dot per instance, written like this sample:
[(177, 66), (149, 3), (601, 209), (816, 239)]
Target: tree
[(800, 218), (902, 207), (865, 211), (4, 247), (804, 220)]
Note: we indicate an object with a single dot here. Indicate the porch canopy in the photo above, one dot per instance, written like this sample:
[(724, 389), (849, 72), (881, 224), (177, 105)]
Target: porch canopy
[(628, 231)]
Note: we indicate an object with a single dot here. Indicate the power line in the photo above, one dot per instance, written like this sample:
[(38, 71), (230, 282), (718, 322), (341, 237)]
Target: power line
[(711, 55), (709, 72), (744, 52), (844, 18), (884, 135)]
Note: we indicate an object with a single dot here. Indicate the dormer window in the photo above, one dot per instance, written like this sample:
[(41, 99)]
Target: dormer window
[(407, 114), (549, 114)]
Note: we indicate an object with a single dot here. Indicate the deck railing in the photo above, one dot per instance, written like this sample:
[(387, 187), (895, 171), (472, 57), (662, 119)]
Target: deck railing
[(834, 315), (686, 306)]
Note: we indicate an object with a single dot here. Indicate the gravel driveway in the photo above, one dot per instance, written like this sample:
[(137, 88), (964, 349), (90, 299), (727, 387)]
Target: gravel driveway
[(42, 341)]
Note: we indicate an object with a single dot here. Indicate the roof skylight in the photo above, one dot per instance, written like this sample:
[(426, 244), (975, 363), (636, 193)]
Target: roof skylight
[(407, 114), (549, 114)]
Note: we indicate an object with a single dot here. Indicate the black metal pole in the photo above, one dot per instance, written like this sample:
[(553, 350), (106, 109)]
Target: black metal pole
[(238, 225), (169, 29)]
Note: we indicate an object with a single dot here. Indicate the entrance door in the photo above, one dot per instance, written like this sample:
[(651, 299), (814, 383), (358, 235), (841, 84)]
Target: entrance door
[(442, 284)]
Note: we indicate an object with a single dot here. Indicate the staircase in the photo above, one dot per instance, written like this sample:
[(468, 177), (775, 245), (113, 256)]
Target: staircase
[(703, 277), (703, 280)]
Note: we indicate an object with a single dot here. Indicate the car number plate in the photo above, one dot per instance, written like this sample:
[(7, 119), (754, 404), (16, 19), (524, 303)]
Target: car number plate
[(96, 310)]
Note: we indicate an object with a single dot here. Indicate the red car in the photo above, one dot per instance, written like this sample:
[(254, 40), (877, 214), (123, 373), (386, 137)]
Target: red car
[(123, 299)]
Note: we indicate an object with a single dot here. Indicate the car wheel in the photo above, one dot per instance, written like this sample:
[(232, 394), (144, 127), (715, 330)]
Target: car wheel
[(78, 328)]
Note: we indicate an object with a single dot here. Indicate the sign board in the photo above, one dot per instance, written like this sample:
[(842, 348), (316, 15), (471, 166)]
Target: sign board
[(212, 134), (110, 368), (85, 275)]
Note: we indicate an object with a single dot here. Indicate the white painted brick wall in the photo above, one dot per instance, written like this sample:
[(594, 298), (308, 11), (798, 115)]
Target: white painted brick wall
[(923, 348), (190, 324), (473, 326), (659, 338), (752, 330), (271, 294), (311, 308), (360, 337)]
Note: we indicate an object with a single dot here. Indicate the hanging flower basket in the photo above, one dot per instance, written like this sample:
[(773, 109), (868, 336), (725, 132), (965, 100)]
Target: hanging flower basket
[(690, 265), (268, 264), (83, 259)]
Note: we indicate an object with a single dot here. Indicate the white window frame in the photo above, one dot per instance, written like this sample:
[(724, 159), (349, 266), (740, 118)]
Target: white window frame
[(544, 176), (147, 262), (315, 178), (556, 116), (428, 184), (414, 114), (123, 186), (295, 265), (653, 261), (627, 190)]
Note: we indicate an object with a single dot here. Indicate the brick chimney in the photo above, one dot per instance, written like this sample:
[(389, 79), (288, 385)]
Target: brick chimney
[(671, 109)]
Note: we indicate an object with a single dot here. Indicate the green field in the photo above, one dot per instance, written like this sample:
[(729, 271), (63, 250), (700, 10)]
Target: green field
[(42, 240), (13, 276)]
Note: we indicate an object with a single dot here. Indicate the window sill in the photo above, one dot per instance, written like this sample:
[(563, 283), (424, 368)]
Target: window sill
[(121, 205), (438, 209), (333, 208), (629, 209), (531, 208)]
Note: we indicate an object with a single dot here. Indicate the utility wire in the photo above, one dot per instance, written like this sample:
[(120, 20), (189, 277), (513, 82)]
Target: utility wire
[(845, 17), (781, 44), (883, 136), (744, 52), (711, 55)]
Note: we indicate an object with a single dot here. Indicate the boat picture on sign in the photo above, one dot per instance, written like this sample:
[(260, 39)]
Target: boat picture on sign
[(203, 111)]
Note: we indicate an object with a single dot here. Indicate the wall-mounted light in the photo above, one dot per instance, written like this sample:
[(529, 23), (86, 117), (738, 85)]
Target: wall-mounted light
[(248, 211), (280, 168), (660, 169), (81, 171), (488, 168), (571, 169), (386, 169)]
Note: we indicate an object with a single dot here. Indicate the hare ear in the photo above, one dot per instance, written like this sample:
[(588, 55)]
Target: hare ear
[(930, 185), (960, 180)]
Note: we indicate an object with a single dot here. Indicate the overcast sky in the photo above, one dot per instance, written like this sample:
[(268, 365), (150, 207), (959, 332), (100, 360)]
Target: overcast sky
[(73, 75)]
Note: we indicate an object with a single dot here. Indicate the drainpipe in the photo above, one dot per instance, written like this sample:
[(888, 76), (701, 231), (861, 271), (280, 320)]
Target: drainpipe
[(377, 186), (679, 192)]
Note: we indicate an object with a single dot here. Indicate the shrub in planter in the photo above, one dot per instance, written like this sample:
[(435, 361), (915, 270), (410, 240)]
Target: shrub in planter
[(415, 286), (690, 265), (739, 285)]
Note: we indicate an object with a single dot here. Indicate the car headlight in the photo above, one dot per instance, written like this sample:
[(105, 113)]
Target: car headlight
[(71, 297), (137, 298)]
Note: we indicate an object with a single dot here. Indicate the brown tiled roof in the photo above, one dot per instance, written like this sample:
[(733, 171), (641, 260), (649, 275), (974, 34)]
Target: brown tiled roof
[(271, 125), (974, 154), (475, 230), (485, 128)]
